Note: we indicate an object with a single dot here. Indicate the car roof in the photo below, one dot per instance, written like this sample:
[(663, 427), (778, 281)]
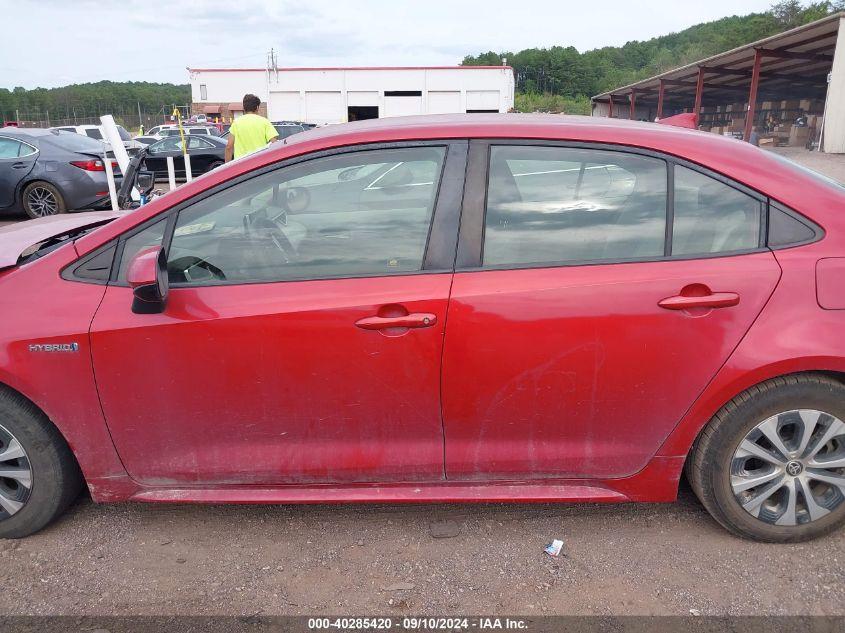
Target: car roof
[(27, 131), (553, 126)]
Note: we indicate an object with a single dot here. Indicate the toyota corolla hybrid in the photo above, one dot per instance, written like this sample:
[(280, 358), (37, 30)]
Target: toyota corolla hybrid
[(459, 308)]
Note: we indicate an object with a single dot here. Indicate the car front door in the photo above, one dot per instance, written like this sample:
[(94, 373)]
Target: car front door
[(580, 327), (302, 337), (16, 160)]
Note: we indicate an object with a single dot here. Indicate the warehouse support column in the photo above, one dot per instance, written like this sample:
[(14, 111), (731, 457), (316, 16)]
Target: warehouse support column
[(633, 115), (610, 107), (660, 92), (752, 96), (833, 139), (699, 88)]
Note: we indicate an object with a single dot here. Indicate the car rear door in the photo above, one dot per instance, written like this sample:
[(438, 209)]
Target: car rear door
[(303, 334), (597, 292), (16, 161)]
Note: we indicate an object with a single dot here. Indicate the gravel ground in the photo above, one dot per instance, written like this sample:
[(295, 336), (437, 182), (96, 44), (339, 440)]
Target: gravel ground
[(673, 559), (269, 560)]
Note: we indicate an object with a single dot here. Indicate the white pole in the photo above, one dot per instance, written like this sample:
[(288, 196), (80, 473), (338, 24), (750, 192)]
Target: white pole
[(110, 180), (171, 173), (113, 139), (188, 175)]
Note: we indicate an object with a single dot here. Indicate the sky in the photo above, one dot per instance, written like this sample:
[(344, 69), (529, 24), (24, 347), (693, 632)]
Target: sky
[(58, 42)]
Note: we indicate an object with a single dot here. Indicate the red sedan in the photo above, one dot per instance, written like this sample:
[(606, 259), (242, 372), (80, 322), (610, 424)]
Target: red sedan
[(460, 308)]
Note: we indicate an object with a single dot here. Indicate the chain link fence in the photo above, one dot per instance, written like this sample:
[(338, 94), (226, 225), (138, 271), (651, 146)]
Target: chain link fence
[(131, 120)]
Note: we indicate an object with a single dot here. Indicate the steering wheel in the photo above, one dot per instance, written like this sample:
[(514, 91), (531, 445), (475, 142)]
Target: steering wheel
[(183, 266)]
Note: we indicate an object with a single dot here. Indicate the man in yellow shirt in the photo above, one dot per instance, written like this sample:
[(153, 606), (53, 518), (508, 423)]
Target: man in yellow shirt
[(249, 132)]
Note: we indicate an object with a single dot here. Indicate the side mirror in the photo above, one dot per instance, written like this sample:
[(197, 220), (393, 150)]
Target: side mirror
[(145, 181), (147, 276)]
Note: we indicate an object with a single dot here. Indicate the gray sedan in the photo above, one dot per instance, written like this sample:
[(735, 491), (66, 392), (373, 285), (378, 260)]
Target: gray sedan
[(44, 172)]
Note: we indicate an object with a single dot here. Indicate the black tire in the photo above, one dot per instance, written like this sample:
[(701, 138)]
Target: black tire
[(56, 478), (40, 199), (215, 165), (708, 466)]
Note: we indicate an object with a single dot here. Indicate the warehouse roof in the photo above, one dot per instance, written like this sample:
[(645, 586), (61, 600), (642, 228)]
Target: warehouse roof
[(801, 56)]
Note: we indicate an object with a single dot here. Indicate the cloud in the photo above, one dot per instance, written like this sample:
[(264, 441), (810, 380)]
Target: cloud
[(155, 40)]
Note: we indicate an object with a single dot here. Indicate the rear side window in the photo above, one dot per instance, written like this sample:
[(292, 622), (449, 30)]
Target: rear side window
[(712, 217), (11, 148), (556, 204)]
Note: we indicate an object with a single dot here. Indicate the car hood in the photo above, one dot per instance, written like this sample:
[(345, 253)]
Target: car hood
[(16, 238)]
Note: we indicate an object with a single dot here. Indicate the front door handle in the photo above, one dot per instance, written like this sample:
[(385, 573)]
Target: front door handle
[(415, 320), (712, 300)]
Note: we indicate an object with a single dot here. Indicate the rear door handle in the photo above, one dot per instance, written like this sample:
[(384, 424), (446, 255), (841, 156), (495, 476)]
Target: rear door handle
[(713, 300), (415, 320), (19, 165)]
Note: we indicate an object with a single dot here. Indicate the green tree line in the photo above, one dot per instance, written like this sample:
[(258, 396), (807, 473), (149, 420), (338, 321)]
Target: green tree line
[(561, 78), (92, 99)]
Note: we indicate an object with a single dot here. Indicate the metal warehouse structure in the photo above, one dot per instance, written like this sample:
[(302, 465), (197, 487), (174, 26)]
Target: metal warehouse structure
[(334, 95), (762, 85)]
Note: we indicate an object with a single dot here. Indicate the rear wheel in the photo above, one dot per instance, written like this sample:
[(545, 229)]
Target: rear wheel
[(41, 199), (215, 165), (39, 477), (771, 464)]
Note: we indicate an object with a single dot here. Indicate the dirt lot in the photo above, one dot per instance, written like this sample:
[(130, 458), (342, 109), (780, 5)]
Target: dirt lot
[(643, 559)]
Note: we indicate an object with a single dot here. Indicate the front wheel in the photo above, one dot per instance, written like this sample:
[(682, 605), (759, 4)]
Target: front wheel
[(41, 199), (770, 465), (39, 477)]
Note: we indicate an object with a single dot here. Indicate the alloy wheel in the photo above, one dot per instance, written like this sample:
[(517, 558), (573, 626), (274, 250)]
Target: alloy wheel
[(790, 469), (15, 475), (42, 201)]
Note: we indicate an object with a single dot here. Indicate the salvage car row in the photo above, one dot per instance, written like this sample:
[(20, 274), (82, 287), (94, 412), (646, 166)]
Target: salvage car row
[(49, 171)]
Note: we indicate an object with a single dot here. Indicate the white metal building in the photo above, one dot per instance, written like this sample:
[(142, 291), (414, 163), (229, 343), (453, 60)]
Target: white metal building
[(335, 95)]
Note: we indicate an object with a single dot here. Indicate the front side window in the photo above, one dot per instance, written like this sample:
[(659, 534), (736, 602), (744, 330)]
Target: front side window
[(557, 204), (142, 240), (712, 217), (358, 214)]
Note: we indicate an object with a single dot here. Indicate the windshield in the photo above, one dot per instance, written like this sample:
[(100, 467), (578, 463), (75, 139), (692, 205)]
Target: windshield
[(41, 249), (75, 143)]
